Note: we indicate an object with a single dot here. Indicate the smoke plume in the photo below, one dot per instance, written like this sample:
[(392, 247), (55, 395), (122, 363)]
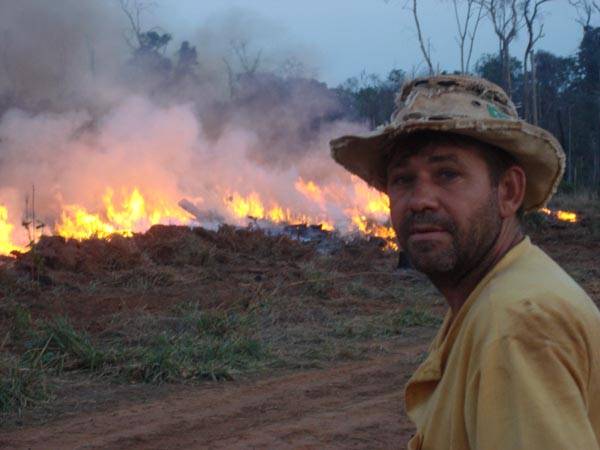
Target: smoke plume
[(84, 113)]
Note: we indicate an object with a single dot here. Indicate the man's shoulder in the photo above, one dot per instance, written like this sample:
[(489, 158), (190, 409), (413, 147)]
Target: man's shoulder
[(532, 297)]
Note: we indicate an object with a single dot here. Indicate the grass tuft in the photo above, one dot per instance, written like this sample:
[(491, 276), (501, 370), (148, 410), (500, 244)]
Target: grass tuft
[(20, 387), (217, 346), (316, 282), (385, 325), (57, 345), (412, 317)]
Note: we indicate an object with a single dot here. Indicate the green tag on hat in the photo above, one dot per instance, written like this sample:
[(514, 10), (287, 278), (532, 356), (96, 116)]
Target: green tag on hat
[(495, 113)]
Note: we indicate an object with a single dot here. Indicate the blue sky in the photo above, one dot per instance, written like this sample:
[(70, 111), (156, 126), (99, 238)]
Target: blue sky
[(345, 37)]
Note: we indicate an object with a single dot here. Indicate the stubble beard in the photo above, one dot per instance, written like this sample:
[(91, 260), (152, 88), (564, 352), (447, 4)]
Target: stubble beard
[(467, 247)]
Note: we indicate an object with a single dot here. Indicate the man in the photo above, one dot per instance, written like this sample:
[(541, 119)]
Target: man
[(516, 362)]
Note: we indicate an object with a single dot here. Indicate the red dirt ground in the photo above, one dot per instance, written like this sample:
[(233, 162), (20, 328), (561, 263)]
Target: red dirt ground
[(354, 405)]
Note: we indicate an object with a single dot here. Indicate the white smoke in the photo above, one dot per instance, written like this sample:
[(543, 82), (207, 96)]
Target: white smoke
[(71, 125)]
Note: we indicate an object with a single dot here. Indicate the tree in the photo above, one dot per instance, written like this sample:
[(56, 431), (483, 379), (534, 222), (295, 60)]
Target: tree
[(292, 67), (588, 58), (187, 61), (247, 64), (148, 47), (505, 18), (133, 10), (531, 13), (585, 9), (369, 98), (425, 49), (467, 29), (555, 76), (490, 67)]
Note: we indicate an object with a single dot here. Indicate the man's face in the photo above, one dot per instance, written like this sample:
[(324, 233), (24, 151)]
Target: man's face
[(444, 208)]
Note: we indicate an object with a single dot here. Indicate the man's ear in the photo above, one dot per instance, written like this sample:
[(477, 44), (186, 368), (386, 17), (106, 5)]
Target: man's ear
[(511, 191)]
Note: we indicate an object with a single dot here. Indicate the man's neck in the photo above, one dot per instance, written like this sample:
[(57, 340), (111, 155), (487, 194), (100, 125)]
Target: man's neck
[(456, 290)]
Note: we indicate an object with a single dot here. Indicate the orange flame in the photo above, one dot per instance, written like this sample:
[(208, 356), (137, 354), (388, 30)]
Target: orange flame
[(365, 209), (371, 228), (133, 215), (253, 207), (565, 216), (311, 191), (374, 201), (6, 232), (133, 212)]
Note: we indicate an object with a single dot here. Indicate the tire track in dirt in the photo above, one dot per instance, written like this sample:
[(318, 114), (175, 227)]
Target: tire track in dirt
[(354, 405)]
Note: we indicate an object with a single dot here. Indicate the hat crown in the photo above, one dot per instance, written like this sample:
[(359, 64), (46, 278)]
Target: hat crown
[(450, 97)]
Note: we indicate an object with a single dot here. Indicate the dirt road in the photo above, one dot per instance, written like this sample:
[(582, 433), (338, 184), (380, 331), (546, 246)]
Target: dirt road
[(354, 405)]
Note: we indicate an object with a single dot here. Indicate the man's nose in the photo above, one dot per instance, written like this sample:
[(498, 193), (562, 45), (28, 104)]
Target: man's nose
[(423, 197)]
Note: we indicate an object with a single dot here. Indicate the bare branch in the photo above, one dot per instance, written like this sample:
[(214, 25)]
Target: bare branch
[(133, 16), (230, 78), (472, 35), (425, 51), (465, 30), (133, 10), (249, 65), (461, 33), (585, 10), (506, 21), (531, 14)]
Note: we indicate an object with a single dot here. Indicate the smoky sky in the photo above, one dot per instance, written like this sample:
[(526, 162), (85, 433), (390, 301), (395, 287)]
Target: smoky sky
[(345, 37)]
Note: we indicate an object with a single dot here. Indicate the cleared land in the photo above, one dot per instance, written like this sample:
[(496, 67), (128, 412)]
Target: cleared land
[(228, 339)]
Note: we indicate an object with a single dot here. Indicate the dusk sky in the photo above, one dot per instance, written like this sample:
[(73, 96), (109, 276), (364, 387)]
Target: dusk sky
[(341, 38)]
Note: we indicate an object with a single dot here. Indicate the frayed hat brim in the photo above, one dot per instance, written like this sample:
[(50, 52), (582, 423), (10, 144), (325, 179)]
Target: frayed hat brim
[(535, 149)]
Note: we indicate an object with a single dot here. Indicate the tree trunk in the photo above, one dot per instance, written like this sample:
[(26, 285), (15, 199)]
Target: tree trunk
[(596, 175), (570, 146), (526, 94), (534, 95), (506, 68)]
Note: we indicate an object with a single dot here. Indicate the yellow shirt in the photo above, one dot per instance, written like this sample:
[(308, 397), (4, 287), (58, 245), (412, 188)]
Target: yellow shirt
[(518, 367)]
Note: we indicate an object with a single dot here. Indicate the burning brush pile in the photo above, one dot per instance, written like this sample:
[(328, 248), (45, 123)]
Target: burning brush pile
[(132, 213), (161, 246), (119, 235), (141, 163)]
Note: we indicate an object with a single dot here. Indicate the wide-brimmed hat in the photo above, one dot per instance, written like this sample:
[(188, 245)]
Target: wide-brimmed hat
[(461, 105)]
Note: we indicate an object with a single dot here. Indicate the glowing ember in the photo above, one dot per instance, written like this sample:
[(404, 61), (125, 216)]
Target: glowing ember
[(327, 226), (133, 215), (565, 216)]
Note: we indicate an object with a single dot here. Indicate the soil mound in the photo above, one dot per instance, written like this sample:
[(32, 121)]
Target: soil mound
[(161, 245)]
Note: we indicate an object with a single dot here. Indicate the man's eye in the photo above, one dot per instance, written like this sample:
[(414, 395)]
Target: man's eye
[(448, 175), (401, 180)]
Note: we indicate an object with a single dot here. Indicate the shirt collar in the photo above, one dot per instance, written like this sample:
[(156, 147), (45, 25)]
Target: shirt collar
[(432, 368)]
